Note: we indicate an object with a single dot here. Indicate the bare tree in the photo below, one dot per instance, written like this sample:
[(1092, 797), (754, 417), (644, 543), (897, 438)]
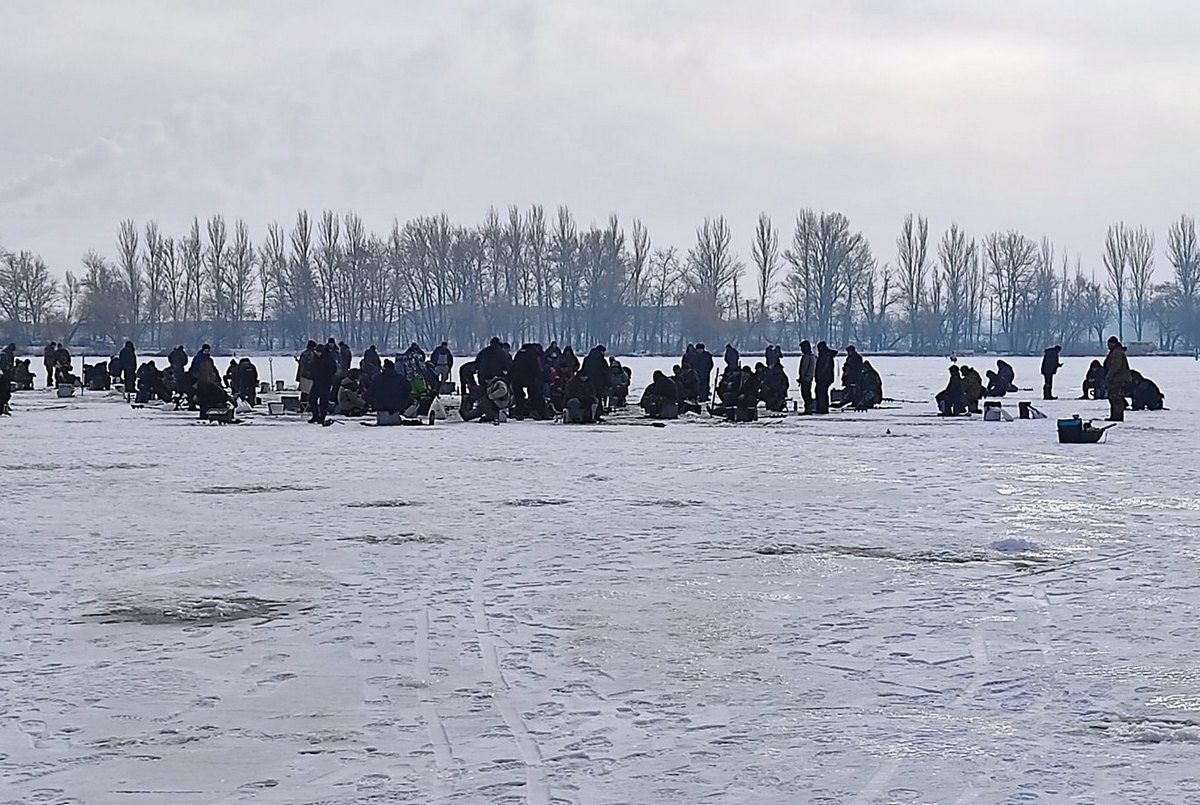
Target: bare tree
[(1140, 252), (105, 302), (827, 259), (272, 274), (1184, 254), (1116, 262), (328, 256), (712, 270), (154, 270), (1011, 258), (913, 268), (765, 253), (957, 256), (192, 259), (71, 289), (174, 280), (27, 293), (131, 267), (300, 285), (240, 275), (217, 269)]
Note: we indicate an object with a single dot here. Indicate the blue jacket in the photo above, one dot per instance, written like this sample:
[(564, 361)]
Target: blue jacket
[(390, 391)]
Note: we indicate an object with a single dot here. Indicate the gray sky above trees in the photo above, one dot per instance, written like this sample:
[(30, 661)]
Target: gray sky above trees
[(1051, 118)]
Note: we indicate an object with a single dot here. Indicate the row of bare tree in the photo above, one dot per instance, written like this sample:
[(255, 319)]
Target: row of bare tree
[(525, 276)]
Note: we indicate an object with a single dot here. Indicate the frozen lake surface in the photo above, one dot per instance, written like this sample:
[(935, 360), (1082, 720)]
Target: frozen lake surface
[(864, 608)]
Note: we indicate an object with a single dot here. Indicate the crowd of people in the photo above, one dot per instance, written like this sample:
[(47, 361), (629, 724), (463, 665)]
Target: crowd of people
[(1112, 380), (543, 383)]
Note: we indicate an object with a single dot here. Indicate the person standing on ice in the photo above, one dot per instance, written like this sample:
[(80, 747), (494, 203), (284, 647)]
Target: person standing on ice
[(324, 370), (443, 362), (595, 366), (48, 362), (824, 376), (178, 363), (6, 378), (852, 373), (304, 369), (492, 362), (733, 359), (702, 362), (127, 364), (808, 372), (1050, 367), (1117, 379)]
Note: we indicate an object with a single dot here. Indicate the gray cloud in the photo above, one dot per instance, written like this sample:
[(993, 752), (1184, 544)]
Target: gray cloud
[(1053, 120)]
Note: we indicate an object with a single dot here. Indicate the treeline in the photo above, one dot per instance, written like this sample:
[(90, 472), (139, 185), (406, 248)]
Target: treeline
[(526, 275)]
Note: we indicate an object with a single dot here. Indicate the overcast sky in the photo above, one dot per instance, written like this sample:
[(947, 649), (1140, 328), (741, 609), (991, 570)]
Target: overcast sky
[(1052, 118)]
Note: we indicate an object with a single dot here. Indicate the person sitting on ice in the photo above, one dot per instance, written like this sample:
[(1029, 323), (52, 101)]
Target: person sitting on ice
[(686, 381), (370, 364), (1000, 382), (618, 384), (150, 384), (952, 400), (1144, 393), (870, 388), (1094, 386), (492, 405), (247, 381), (211, 396), (23, 373), (468, 386), (972, 387), (351, 401), (390, 392), (568, 362), (660, 400), (745, 389), (580, 405), (773, 386)]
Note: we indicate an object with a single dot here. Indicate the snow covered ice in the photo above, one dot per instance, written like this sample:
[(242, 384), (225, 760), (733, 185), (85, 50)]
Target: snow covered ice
[(883, 607)]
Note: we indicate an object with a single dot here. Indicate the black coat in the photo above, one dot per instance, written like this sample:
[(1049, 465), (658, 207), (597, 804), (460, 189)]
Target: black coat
[(127, 360), (825, 357), (390, 391), (569, 361), (852, 369), (492, 361), (595, 366), (526, 367), (441, 356), (324, 368), (955, 394), (702, 362), (370, 363), (1050, 364)]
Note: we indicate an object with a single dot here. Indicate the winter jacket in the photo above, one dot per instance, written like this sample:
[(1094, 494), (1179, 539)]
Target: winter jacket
[(324, 368), (824, 372), (1050, 364), (127, 360), (808, 368), (595, 366), (390, 391), (1116, 370), (491, 362)]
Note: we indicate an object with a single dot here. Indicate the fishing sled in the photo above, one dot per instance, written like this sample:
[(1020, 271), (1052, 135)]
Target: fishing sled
[(1076, 431)]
